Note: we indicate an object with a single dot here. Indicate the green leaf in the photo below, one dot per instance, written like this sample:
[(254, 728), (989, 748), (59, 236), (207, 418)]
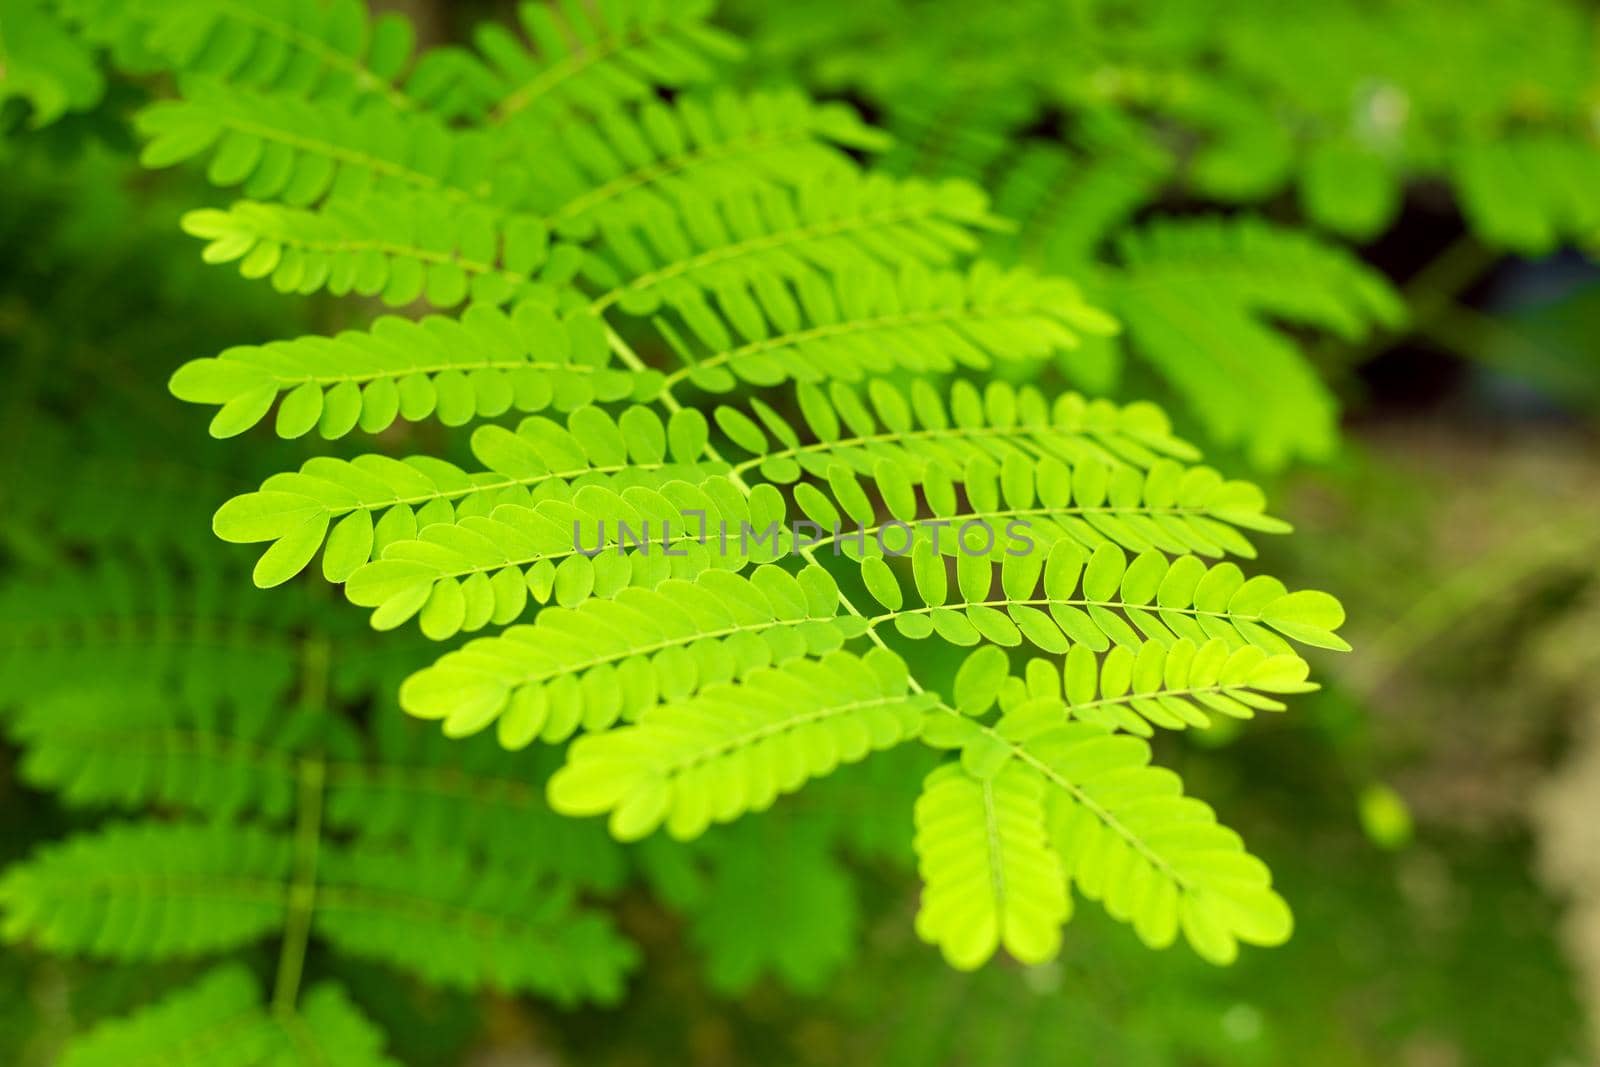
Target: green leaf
[(349, 546), (289, 555), (882, 584), (990, 879), (977, 684), (806, 718), (1308, 616)]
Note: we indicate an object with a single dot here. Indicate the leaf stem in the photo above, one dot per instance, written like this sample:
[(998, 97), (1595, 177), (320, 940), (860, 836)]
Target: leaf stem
[(311, 772), (303, 888)]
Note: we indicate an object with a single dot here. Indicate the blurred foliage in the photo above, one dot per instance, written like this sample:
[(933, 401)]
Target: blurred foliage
[(1346, 101), (1126, 138)]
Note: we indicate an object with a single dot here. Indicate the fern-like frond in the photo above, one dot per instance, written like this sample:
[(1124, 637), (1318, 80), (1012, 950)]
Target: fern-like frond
[(1174, 686), (403, 784), (478, 366), (281, 147), (1099, 600), (899, 440), (1121, 831), (159, 751), (635, 160), (915, 429), (144, 891), (399, 248), (1020, 506), (222, 1021), (332, 50), (1154, 858), (139, 621), (605, 660), (150, 891), (593, 59), (541, 460), (737, 248), (485, 568), (870, 322), (1196, 298), (736, 746), (989, 874), (1282, 273)]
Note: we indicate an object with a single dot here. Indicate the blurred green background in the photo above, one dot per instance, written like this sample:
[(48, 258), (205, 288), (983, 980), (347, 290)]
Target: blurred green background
[(1431, 814)]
